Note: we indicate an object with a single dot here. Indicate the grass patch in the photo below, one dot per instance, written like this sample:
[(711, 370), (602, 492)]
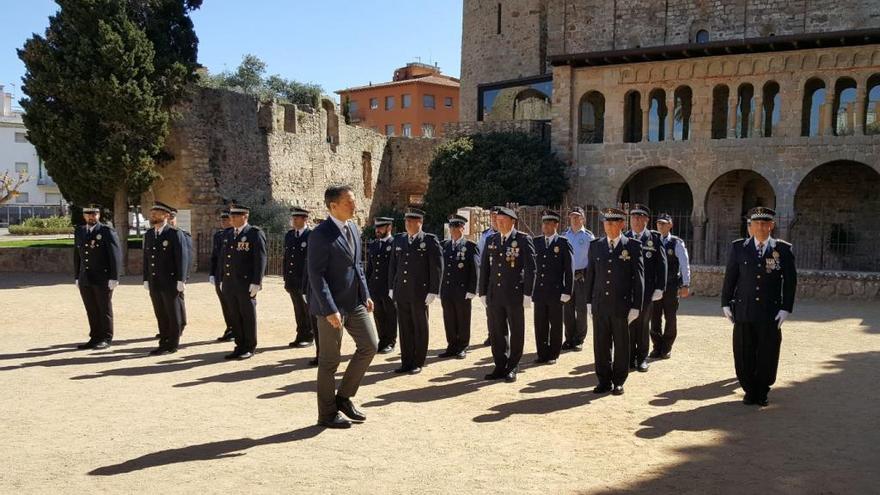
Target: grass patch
[(133, 243)]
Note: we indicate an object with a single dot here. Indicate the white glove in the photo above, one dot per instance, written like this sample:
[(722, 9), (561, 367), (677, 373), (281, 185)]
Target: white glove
[(181, 286), (527, 301), (470, 295), (391, 294), (146, 285), (589, 310), (657, 295), (728, 314), (564, 298), (633, 314), (211, 280), (112, 284), (76, 282), (483, 300), (781, 316), (429, 299), (253, 289)]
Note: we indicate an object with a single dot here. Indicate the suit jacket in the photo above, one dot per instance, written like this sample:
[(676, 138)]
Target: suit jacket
[(656, 264), (188, 254), (164, 259), (507, 270), (295, 248), (244, 258), (459, 270), (416, 268), (337, 283), (756, 288), (217, 246), (615, 279), (378, 260), (97, 256), (554, 269)]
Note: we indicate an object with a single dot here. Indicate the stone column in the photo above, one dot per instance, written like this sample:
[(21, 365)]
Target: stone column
[(670, 115), (562, 116), (698, 247), (826, 116), (731, 116), (758, 126), (861, 101), (646, 115)]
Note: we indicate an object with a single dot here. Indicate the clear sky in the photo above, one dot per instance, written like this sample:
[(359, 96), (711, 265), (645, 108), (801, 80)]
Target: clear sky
[(334, 43)]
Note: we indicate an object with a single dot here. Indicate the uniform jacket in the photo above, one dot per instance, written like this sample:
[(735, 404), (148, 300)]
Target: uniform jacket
[(459, 269), (416, 268), (615, 279), (378, 260), (554, 271), (295, 248), (335, 274), (217, 243), (244, 258), (507, 270), (655, 262), (164, 259), (97, 256), (756, 288), (673, 264)]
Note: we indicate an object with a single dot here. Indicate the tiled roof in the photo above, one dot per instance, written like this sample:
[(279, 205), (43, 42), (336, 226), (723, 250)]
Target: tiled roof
[(438, 80)]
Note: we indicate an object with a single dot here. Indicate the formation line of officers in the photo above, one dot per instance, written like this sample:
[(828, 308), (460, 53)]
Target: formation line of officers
[(628, 282)]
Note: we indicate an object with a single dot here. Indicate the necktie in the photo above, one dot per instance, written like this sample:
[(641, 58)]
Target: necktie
[(236, 231), (611, 241), (349, 238), (760, 248)]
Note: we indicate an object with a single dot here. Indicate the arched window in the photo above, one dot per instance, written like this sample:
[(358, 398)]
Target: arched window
[(844, 111), (702, 36), (720, 94), (592, 126), (657, 116), (771, 111), (531, 104), (811, 112), (681, 114), (745, 111), (872, 102), (632, 117)]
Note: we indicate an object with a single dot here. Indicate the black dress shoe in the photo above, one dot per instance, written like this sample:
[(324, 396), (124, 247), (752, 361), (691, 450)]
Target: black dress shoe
[(226, 337), (313, 362), (102, 345), (655, 354), (494, 376), (577, 347), (488, 341), (337, 422), (300, 344), (747, 400), (347, 408), (88, 345), (617, 390), (157, 352), (539, 361), (388, 349), (402, 369), (642, 367), (158, 336), (415, 370), (763, 402), (461, 355), (245, 355), (666, 356), (566, 346), (551, 361), (602, 389), (510, 377), (446, 354)]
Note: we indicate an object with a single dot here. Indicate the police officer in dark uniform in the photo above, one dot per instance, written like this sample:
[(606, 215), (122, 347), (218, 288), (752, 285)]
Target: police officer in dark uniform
[(216, 272), (188, 261), (378, 260), (296, 243), (507, 278), (491, 230), (165, 273), (757, 297), (414, 277), (553, 287), (655, 265), (678, 280), (244, 264), (458, 289), (615, 284), (97, 264)]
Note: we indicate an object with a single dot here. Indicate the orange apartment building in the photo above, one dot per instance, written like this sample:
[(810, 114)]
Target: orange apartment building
[(415, 104)]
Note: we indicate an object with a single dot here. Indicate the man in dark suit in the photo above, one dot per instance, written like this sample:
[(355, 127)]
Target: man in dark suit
[(553, 287), (215, 276), (97, 264), (615, 285), (296, 242), (414, 278), (339, 297), (458, 288), (165, 274), (757, 297), (378, 260), (655, 266), (244, 264), (507, 277)]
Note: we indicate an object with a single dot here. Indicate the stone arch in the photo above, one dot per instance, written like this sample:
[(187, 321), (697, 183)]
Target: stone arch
[(591, 120), (531, 104), (830, 205), (727, 200), (332, 125)]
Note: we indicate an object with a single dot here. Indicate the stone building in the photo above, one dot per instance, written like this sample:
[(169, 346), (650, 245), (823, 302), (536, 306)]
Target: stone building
[(699, 108), (228, 145)]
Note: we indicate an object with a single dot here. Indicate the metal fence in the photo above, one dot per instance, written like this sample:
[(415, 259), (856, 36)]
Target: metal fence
[(15, 214)]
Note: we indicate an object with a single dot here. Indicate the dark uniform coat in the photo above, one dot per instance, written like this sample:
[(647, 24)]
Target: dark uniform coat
[(459, 279), (655, 279), (244, 264), (384, 311), (554, 277), (97, 259), (215, 270), (295, 250), (165, 266)]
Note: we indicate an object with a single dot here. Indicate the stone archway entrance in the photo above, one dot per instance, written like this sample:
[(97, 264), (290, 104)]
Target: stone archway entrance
[(728, 200)]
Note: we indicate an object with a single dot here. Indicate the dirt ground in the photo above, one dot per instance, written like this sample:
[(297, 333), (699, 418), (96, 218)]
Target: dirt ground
[(119, 421)]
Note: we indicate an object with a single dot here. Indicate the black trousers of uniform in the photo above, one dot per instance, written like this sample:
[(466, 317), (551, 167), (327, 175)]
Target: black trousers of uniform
[(507, 333), (306, 324), (576, 313), (457, 323), (99, 309), (168, 307), (413, 320), (385, 317), (756, 355), (666, 308), (227, 317), (611, 332), (548, 329), (639, 335), (182, 313), (243, 310)]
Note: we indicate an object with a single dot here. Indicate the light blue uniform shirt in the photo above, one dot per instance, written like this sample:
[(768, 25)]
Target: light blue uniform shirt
[(580, 244), (684, 262), (481, 243)]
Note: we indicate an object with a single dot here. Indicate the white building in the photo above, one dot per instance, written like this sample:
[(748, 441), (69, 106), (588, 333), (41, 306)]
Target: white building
[(17, 154)]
